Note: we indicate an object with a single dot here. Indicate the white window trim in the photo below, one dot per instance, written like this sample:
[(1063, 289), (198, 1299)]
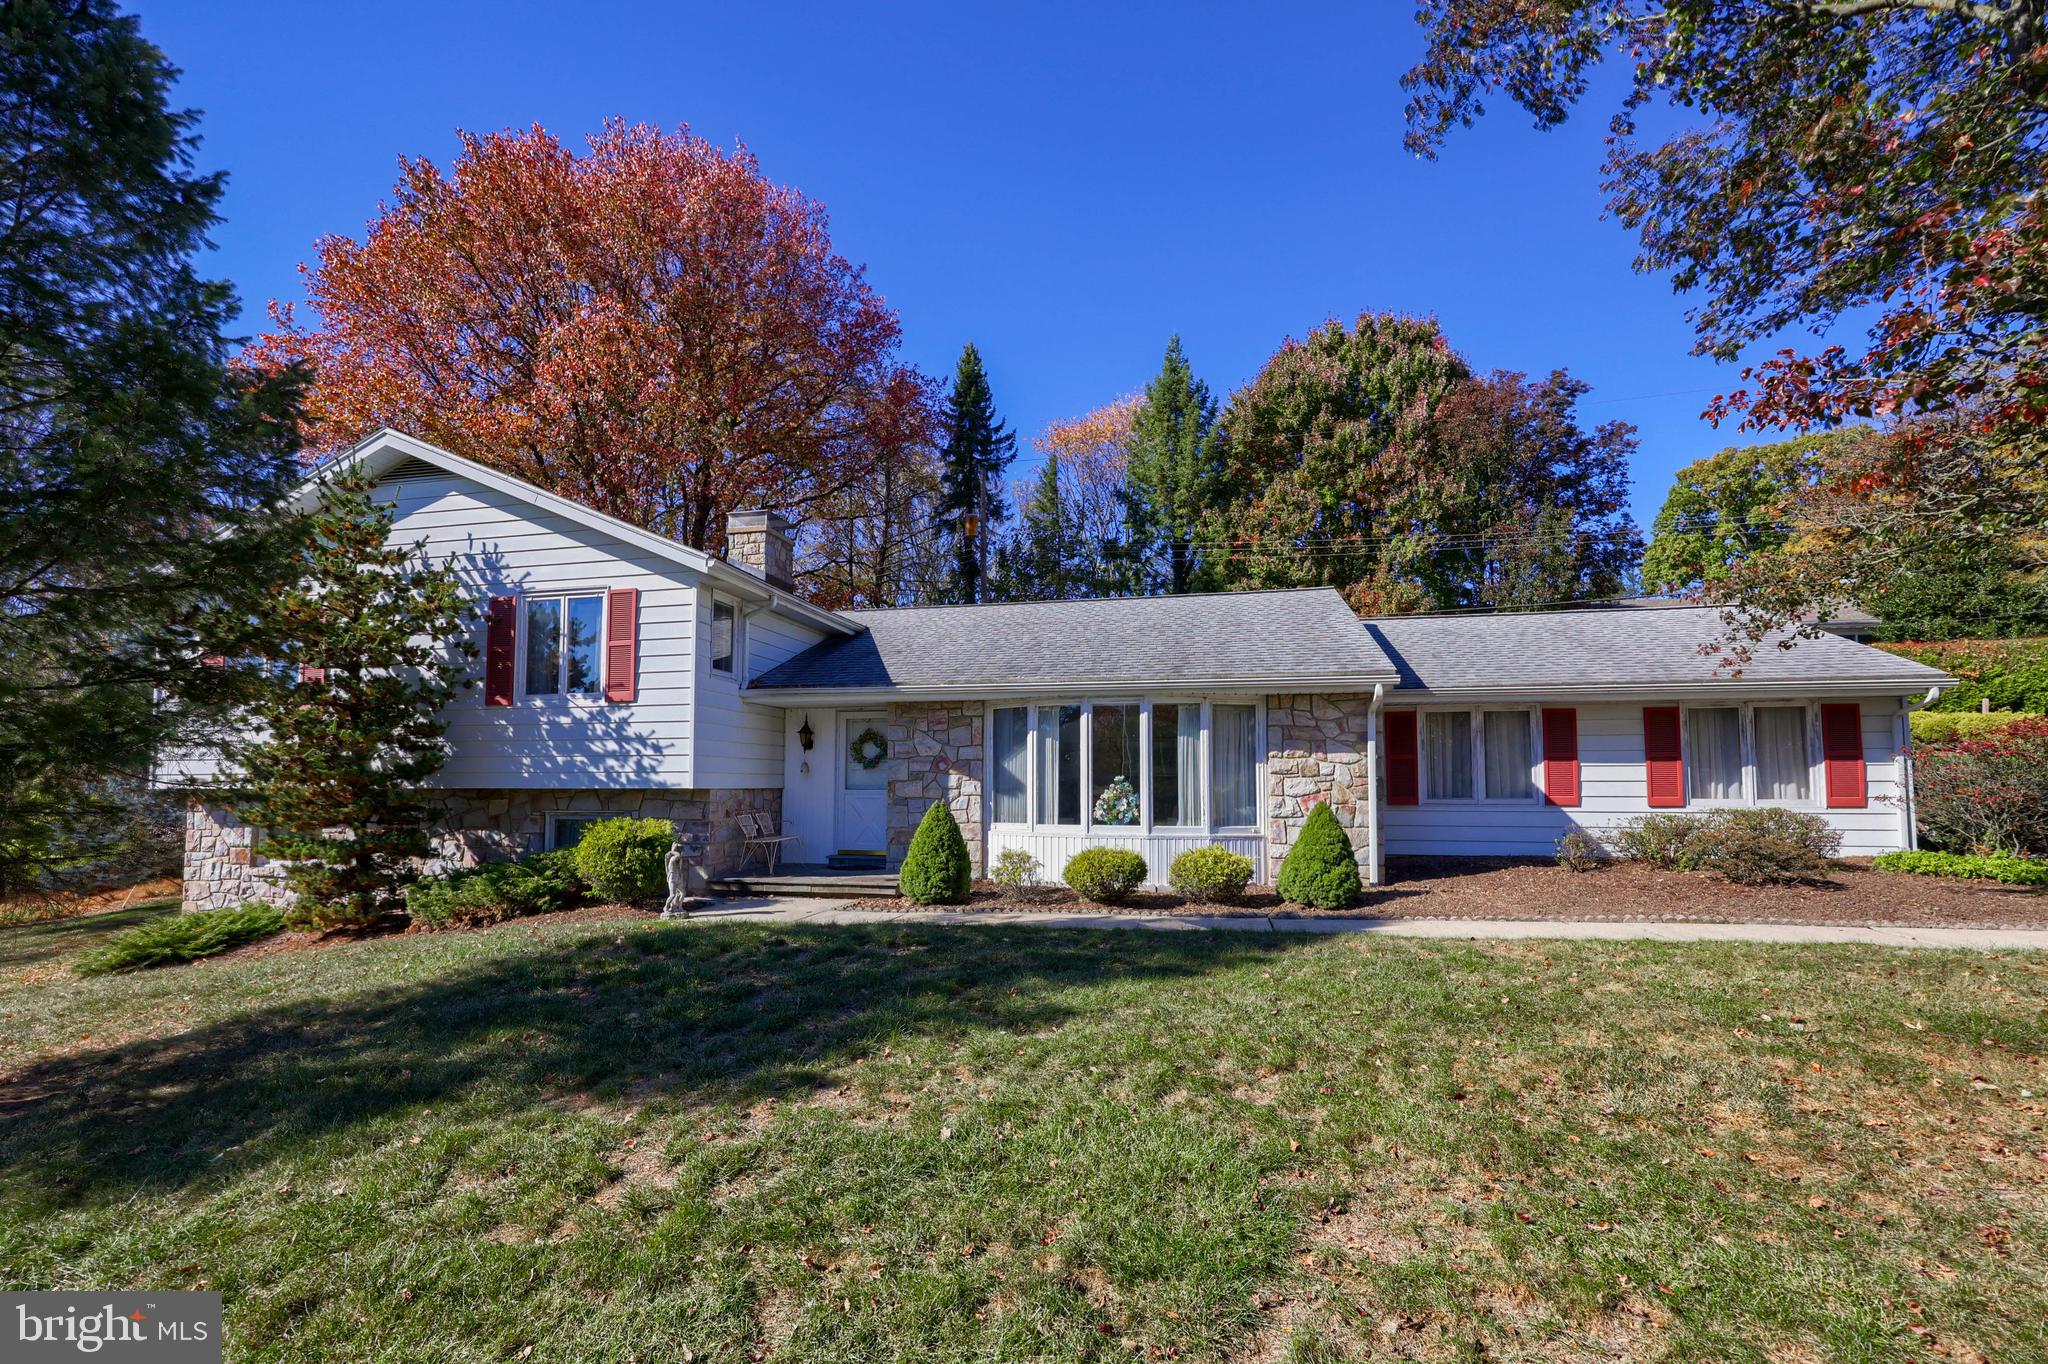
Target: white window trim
[(1145, 827), (1746, 725), (519, 649), (1477, 738), (738, 670)]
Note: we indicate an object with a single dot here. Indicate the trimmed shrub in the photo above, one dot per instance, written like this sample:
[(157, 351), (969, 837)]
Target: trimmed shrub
[(1580, 851), (1987, 795), (1750, 847), (2014, 871), (625, 859), (1016, 871), (1766, 845), (936, 870), (1932, 728), (182, 937), (495, 891), (1210, 876), (1657, 840), (1106, 876), (1321, 869)]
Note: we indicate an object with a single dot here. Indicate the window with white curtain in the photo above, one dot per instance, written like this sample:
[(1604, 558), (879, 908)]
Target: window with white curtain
[(1713, 753), (1783, 772), (1059, 764), (1177, 766), (1113, 766), (1010, 740), (1509, 753), (1447, 753), (1233, 793)]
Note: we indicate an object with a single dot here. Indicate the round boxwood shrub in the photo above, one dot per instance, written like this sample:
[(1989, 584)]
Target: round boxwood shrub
[(936, 870), (1105, 875), (1212, 875), (625, 859), (1320, 869)]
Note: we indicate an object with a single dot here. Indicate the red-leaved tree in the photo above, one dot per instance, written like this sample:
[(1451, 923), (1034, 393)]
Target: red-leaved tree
[(652, 328)]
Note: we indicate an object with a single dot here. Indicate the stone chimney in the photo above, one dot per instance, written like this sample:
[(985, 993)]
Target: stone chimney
[(764, 544)]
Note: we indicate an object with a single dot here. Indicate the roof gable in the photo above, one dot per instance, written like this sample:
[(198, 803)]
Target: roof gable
[(392, 454)]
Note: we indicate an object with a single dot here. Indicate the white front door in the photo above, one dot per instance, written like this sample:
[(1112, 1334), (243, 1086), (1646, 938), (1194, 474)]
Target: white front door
[(863, 790)]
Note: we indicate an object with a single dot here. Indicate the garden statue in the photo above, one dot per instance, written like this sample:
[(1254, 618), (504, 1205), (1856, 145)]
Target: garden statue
[(686, 883)]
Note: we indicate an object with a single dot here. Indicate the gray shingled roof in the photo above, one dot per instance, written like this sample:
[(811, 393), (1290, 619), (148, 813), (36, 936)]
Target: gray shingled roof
[(1258, 638), (1616, 647)]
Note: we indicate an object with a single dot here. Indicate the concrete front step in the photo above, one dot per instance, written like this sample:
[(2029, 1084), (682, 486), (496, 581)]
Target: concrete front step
[(809, 883)]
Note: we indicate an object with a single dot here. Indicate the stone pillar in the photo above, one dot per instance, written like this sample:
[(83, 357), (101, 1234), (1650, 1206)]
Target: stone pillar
[(1317, 754), (935, 753), (224, 863)]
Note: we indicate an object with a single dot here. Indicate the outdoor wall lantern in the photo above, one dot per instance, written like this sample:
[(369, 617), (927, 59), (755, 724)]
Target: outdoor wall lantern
[(806, 735)]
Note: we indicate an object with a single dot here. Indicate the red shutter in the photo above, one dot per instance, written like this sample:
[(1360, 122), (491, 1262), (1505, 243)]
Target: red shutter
[(501, 650), (621, 643), (1663, 758), (1841, 745), (1561, 756), (309, 673), (1404, 772)]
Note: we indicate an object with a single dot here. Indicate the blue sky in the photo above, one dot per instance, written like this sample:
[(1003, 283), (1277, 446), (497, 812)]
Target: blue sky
[(1064, 185)]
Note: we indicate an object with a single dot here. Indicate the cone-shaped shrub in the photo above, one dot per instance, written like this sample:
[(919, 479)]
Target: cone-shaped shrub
[(935, 870), (1320, 869)]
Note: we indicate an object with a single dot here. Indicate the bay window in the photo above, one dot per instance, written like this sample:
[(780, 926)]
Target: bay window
[(1478, 754), (1125, 765)]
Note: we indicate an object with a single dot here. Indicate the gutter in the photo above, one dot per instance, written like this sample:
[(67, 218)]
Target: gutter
[(1731, 687), (1062, 689), (1376, 851), (1905, 740)]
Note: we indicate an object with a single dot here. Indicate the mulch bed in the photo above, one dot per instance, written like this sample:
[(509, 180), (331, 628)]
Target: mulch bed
[(1475, 888)]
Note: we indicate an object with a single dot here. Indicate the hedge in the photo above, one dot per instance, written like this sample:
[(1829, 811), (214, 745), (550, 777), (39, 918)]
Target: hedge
[(1947, 726), (2011, 673)]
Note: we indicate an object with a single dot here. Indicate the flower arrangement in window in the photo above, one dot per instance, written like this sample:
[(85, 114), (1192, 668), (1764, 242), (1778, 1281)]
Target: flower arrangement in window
[(869, 749), (1118, 803)]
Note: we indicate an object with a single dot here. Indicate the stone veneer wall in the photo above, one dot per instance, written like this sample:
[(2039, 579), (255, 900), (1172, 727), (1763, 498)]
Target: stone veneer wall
[(224, 864), (935, 753), (1316, 754)]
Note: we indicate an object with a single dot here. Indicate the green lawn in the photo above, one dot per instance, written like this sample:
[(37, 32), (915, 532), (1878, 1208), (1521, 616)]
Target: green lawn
[(613, 1141)]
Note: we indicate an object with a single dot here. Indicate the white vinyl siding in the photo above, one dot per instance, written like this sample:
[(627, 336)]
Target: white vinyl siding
[(1613, 789), (675, 734)]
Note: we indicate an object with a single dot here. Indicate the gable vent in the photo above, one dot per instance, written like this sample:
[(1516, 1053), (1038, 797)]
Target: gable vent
[(411, 469)]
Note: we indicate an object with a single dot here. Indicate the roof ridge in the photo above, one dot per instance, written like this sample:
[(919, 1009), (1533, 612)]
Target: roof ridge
[(1079, 601)]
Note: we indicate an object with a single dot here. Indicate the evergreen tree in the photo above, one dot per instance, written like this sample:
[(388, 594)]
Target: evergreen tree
[(374, 641), (1173, 476), (135, 470), (1045, 560), (978, 448)]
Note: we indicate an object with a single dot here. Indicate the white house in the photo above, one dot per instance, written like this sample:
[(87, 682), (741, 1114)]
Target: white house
[(623, 673)]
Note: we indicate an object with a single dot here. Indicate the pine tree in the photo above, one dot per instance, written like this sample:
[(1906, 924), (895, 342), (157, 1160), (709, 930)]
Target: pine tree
[(1174, 477), (978, 448), (1044, 560), (136, 472), (376, 641)]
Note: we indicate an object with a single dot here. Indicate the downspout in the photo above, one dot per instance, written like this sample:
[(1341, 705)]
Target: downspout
[(1375, 855), (1912, 829)]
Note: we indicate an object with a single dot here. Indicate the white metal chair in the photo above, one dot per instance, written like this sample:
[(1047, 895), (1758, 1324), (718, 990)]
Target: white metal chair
[(762, 840)]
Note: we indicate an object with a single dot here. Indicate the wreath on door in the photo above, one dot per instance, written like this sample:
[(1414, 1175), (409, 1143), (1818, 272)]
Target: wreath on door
[(869, 749)]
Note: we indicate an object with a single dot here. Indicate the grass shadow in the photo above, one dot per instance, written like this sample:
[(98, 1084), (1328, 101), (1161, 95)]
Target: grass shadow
[(25, 945), (697, 1014)]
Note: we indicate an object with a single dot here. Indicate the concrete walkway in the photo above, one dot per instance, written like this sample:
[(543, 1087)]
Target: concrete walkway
[(809, 911)]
